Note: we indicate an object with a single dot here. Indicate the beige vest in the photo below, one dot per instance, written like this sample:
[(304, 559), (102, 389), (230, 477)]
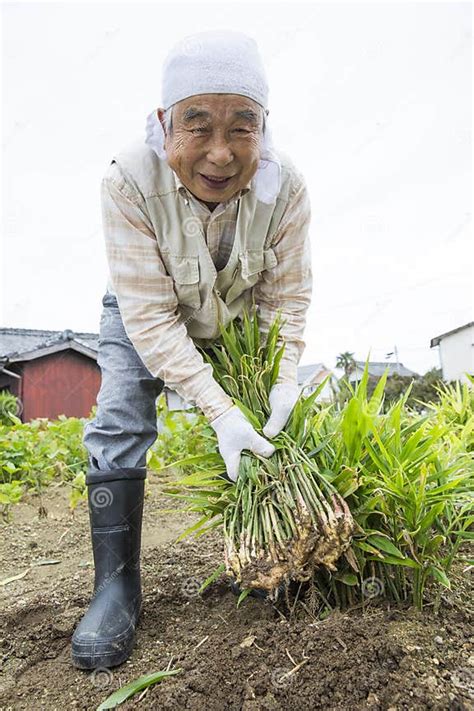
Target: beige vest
[(205, 296)]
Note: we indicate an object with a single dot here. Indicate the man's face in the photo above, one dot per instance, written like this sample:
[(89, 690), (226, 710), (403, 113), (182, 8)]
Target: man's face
[(214, 136)]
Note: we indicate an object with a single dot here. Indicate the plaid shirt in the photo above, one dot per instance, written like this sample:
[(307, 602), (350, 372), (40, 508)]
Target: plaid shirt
[(161, 339), (219, 225)]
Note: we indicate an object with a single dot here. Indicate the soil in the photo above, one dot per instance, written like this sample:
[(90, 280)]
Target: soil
[(260, 656)]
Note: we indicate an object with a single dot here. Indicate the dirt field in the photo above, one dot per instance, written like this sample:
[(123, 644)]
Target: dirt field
[(379, 658)]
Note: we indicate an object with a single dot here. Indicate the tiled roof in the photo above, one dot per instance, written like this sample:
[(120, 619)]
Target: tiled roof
[(377, 368), (17, 341), (309, 372), (435, 341)]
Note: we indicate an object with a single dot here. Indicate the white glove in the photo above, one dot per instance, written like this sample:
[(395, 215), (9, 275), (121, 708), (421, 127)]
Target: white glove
[(282, 398), (235, 433)]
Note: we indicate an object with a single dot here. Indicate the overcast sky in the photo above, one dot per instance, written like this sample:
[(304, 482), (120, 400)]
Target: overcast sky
[(372, 102)]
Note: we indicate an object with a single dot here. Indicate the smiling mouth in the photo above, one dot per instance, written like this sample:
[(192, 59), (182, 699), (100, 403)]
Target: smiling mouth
[(214, 181)]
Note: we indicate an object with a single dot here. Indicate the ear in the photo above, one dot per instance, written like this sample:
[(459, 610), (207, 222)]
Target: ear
[(161, 117)]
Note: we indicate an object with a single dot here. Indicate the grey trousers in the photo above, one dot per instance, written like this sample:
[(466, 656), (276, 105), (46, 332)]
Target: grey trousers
[(118, 437)]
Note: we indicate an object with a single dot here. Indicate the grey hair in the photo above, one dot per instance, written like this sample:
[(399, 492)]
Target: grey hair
[(169, 120), (168, 115)]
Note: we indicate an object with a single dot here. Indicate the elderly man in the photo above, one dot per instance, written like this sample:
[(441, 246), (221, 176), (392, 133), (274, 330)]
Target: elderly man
[(200, 220)]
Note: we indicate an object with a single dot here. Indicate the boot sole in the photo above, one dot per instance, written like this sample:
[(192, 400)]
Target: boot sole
[(88, 661), (84, 659)]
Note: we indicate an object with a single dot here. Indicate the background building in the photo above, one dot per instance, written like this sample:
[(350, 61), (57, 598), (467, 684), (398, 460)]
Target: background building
[(377, 369), (456, 352), (52, 373)]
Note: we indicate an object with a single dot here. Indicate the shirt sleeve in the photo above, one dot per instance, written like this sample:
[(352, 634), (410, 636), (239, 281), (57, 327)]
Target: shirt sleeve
[(147, 300), (287, 287)]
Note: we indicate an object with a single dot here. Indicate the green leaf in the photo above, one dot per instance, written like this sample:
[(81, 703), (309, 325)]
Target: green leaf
[(369, 549), (429, 518), (251, 417), (408, 562), (209, 459), (449, 485), (125, 692), (347, 578), (218, 571), (309, 400), (245, 593), (385, 544), (276, 365), (377, 396), (434, 543), (440, 576), (195, 527)]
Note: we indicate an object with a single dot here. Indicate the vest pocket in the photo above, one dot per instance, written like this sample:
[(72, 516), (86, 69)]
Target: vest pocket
[(251, 263), (270, 258), (256, 261), (184, 271)]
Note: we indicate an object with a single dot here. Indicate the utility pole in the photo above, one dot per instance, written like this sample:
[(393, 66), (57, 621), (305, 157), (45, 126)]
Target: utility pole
[(394, 353), (396, 358)]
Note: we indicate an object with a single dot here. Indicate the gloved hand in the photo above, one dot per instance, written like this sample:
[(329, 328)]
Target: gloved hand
[(282, 398), (235, 433)]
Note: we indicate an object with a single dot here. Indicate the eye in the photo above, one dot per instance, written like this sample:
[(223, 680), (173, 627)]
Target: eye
[(242, 130), (199, 129)]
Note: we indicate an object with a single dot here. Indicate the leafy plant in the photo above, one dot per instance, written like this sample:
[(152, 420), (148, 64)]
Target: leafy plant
[(413, 497), (33, 454)]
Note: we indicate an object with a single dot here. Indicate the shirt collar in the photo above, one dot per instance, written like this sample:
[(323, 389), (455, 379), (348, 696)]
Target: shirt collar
[(183, 190)]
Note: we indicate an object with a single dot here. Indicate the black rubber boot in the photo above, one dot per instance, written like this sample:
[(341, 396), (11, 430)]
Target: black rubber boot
[(105, 636)]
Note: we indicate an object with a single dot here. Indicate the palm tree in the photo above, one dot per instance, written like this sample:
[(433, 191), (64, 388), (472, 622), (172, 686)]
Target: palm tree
[(346, 362)]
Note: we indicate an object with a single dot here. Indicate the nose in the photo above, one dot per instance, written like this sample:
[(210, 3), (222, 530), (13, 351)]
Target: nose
[(219, 152)]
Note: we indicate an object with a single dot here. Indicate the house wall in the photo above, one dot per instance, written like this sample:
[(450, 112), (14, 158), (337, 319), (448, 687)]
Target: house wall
[(456, 353), (64, 383), (326, 393)]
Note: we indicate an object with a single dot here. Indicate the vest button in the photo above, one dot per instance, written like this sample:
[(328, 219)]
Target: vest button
[(218, 292)]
